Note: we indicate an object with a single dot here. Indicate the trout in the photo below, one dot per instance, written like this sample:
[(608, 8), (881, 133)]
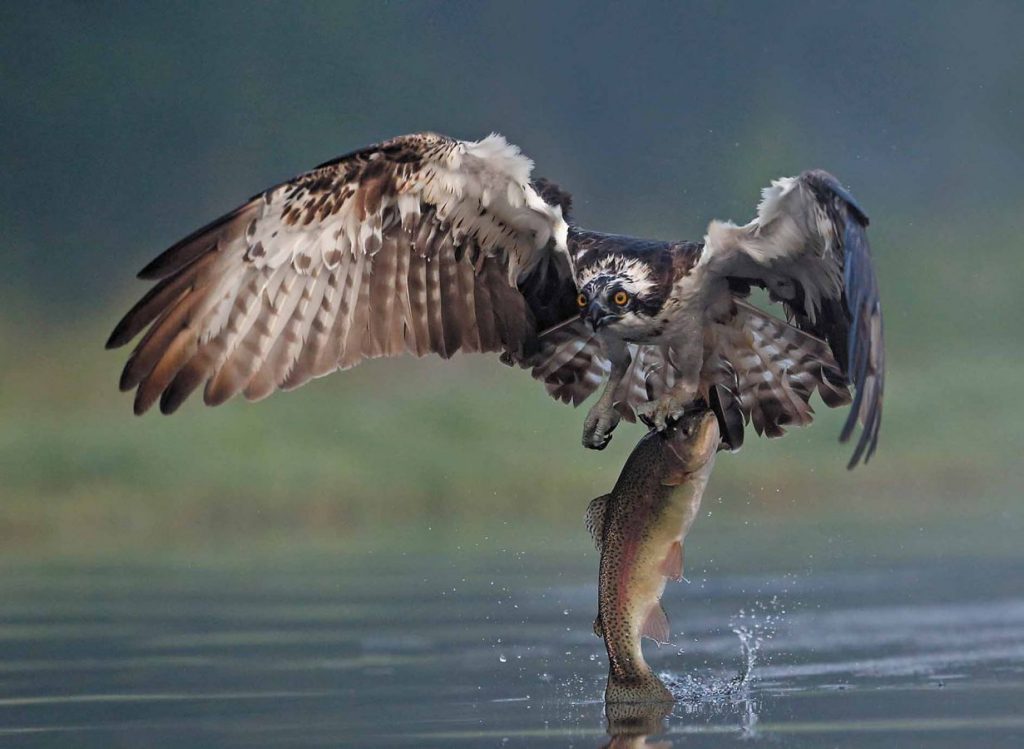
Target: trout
[(639, 529)]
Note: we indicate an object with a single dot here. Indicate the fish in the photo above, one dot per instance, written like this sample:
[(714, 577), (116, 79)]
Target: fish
[(639, 529)]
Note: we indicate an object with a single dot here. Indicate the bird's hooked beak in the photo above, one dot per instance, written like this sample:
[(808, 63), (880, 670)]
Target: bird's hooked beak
[(598, 315)]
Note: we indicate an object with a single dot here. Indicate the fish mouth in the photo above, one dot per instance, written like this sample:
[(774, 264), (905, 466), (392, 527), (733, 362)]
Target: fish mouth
[(694, 439)]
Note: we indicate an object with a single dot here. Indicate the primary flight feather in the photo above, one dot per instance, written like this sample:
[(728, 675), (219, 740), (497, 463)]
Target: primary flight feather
[(430, 245)]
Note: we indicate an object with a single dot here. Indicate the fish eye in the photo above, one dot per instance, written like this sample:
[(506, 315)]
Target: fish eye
[(620, 298), (581, 300)]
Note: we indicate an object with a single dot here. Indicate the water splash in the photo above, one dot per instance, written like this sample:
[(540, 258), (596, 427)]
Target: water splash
[(711, 696), (718, 692), (754, 628), (698, 690)]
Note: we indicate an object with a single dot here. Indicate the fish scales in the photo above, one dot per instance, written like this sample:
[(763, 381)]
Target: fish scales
[(639, 528)]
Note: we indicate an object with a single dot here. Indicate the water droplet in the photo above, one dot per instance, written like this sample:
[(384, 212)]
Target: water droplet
[(502, 658)]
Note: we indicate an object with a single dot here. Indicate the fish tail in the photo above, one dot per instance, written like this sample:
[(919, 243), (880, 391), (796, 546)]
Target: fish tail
[(644, 687)]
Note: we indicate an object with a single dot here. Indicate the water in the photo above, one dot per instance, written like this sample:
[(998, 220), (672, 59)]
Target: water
[(497, 650)]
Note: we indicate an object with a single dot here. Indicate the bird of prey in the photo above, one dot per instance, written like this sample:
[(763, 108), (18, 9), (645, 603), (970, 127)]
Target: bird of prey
[(432, 245)]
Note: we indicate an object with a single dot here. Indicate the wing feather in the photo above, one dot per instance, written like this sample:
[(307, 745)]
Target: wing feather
[(156, 340), (450, 300), (772, 369), (218, 233), (808, 247), (402, 323), (297, 370), (416, 244), (261, 351), (382, 299), (419, 330), (159, 299), (435, 324), (466, 289), (189, 377), (328, 359), (356, 327), (244, 313), (485, 317)]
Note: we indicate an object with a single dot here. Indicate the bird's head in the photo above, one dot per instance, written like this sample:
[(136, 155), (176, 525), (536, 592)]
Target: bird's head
[(619, 294)]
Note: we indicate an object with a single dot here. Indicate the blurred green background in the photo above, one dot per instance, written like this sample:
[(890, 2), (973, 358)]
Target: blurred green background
[(127, 125)]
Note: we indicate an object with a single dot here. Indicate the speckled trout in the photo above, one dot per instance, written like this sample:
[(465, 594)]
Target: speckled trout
[(639, 529)]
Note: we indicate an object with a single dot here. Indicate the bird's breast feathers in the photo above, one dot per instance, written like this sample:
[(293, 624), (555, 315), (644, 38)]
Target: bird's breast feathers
[(681, 314)]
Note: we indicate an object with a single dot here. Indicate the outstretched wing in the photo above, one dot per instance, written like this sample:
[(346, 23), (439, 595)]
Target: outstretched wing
[(421, 244), (808, 247)]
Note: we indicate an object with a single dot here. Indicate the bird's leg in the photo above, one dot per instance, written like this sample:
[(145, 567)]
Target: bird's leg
[(603, 418), (687, 361)]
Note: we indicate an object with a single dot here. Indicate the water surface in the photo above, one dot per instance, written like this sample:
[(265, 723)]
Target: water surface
[(497, 650)]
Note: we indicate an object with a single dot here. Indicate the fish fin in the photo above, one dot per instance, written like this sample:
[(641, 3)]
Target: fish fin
[(675, 473), (595, 519), (598, 627), (656, 625), (672, 564)]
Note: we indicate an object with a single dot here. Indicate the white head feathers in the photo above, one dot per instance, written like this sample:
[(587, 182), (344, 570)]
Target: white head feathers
[(633, 274)]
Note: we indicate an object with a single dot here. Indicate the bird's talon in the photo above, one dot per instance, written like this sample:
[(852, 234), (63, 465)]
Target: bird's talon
[(658, 414), (598, 427)]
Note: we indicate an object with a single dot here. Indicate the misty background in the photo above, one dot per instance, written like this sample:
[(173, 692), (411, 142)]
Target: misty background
[(126, 126)]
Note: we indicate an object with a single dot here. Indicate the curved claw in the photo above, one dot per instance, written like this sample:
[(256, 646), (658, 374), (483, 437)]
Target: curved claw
[(598, 427), (662, 412)]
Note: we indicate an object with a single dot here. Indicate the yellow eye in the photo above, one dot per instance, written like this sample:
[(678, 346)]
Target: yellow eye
[(620, 298), (581, 300)]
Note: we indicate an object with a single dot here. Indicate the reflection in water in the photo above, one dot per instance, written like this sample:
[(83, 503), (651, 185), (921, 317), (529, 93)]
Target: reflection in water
[(629, 724), (700, 699)]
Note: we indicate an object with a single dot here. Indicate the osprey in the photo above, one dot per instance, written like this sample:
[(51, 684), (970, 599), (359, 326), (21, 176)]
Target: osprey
[(428, 244)]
